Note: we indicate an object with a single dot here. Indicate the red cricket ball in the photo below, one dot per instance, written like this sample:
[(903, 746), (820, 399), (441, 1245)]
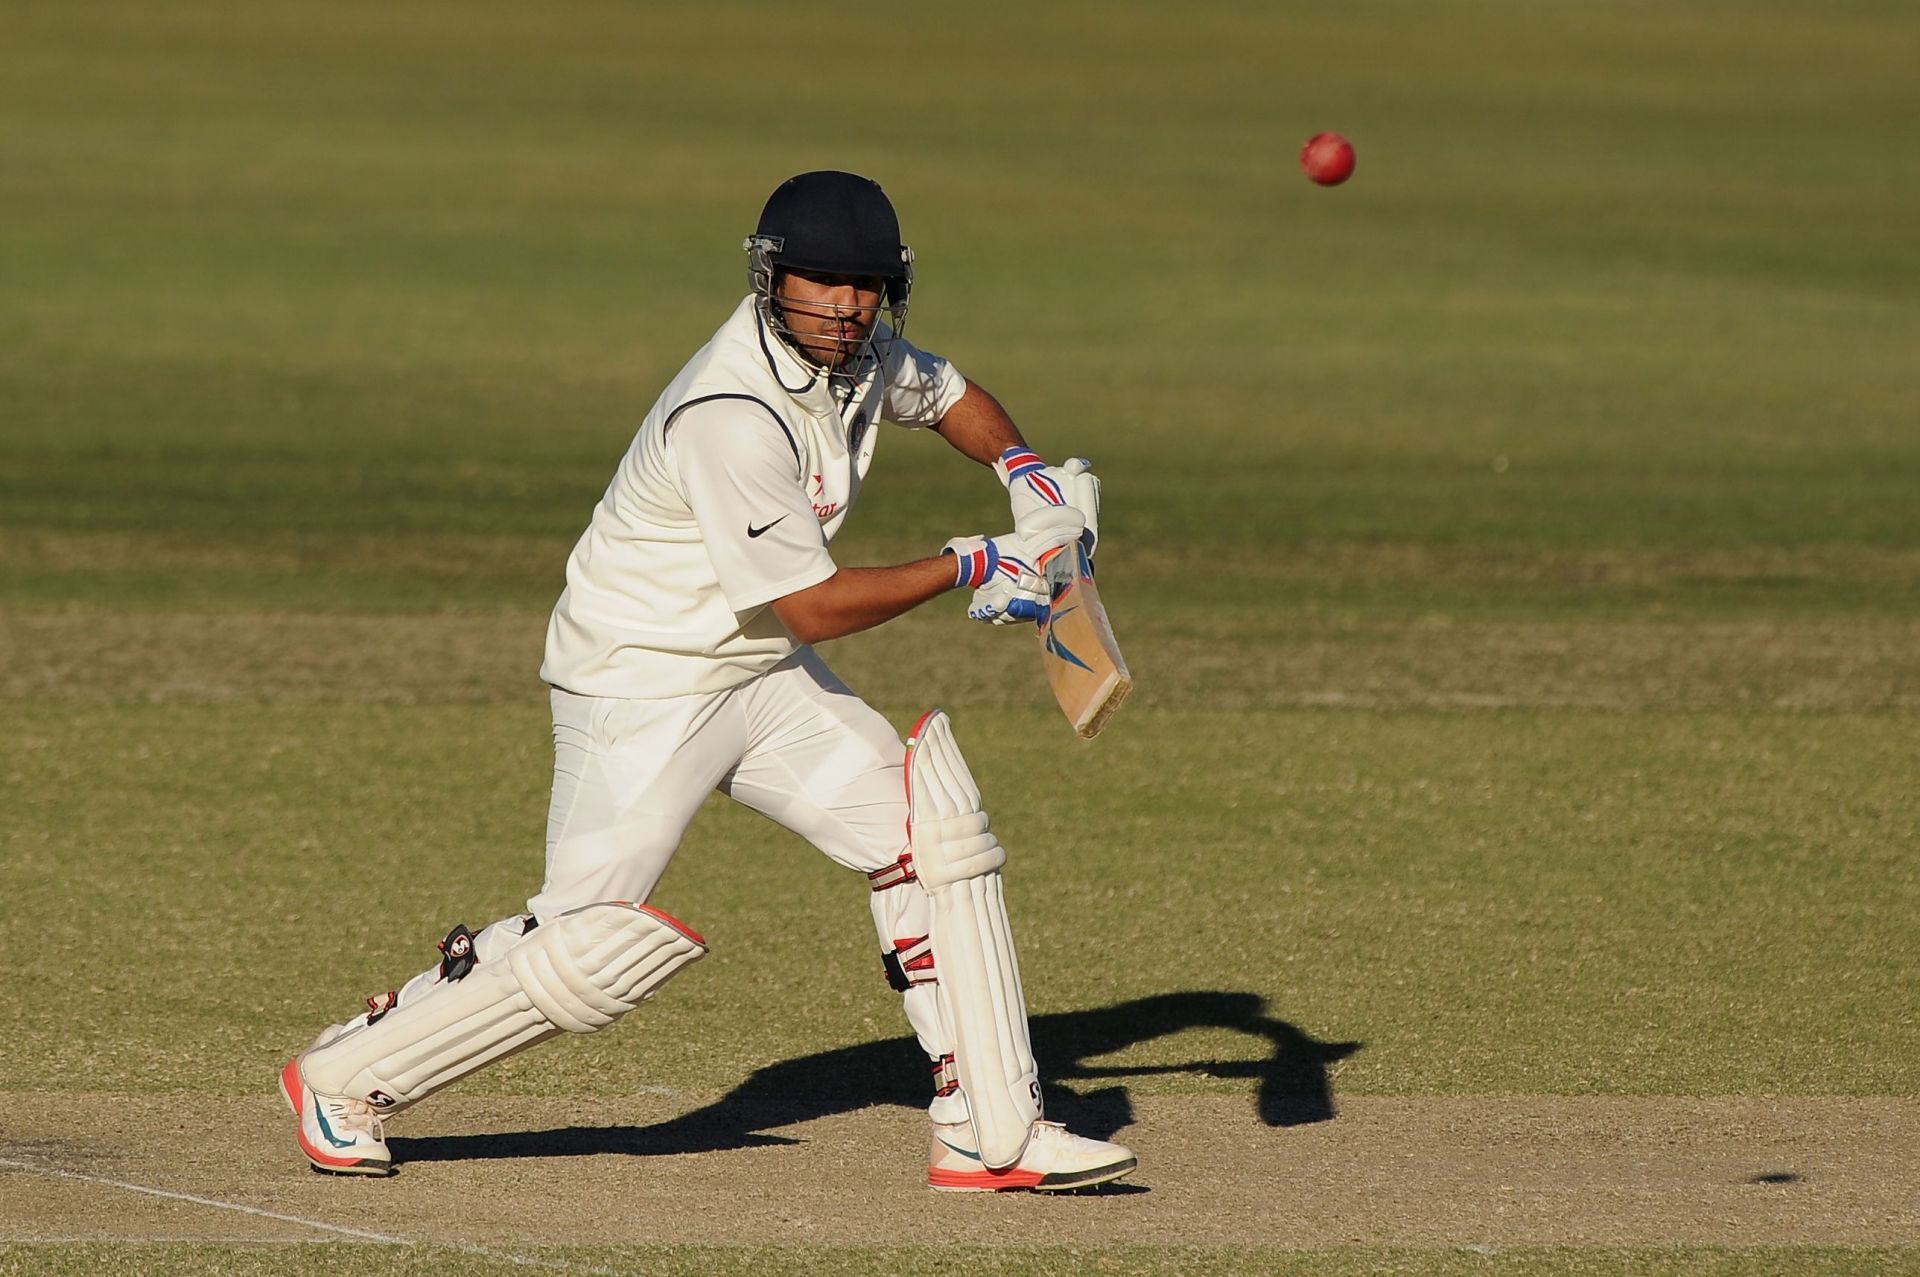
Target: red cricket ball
[(1327, 158)]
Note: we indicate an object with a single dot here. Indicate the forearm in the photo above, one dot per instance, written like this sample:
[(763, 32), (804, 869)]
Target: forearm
[(978, 427), (855, 599)]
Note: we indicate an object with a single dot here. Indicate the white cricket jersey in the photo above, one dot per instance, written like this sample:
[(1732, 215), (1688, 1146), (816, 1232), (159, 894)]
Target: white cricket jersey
[(728, 498)]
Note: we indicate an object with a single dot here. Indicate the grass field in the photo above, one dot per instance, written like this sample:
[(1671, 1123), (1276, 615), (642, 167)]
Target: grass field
[(1506, 866)]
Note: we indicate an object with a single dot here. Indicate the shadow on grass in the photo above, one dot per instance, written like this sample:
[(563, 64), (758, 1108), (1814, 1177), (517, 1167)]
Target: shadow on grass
[(1291, 1085)]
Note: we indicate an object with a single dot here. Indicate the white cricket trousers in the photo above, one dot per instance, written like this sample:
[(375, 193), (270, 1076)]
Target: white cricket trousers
[(795, 745)]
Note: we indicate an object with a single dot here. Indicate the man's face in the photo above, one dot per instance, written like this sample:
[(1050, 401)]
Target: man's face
[(830, 316)]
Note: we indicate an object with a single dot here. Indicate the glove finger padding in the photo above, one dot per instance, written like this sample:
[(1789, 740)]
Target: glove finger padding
[(1082, 490), (1040, 494), (1006, 602), (1048, 524), (1013, 576)]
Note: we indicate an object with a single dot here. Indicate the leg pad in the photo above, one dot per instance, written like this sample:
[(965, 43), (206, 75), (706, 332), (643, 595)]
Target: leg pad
[(578, 974), (957, 860)]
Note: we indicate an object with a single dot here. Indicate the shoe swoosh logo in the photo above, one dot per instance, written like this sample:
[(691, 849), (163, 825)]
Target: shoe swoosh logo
[(754, 532), (967, 1153), (320, 1116)]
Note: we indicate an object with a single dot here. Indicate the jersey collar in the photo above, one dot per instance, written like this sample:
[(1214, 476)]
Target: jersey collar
[(795, 376)]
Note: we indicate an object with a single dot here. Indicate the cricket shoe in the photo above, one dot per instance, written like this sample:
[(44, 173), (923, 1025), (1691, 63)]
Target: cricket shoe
[(339, 1135), (1055, 1159)]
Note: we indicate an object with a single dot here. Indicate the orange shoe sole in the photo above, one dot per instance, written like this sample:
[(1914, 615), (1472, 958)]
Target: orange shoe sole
[(294, 1091), (985, 1181)]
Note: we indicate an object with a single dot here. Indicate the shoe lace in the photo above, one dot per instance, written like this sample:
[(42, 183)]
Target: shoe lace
[(356, 1116), (1056, 1133)]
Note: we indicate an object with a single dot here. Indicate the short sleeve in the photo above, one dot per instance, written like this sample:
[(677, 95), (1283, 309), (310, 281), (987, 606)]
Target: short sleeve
[(921, 386), (740, 475)]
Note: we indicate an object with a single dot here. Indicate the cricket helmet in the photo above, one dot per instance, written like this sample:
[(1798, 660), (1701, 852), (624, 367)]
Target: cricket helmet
[(834, 223)]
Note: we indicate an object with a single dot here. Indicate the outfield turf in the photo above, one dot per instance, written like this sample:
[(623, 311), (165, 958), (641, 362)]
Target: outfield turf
[(1518, 550)]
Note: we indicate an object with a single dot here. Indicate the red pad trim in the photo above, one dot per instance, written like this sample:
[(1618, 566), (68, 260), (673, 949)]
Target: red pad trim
[(675, 923), (906, 770)]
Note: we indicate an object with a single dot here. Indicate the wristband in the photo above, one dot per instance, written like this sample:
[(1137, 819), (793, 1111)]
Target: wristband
[(974, 564), (1017, 462)]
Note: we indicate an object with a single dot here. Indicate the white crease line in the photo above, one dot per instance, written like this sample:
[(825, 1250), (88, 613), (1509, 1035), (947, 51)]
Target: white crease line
[(200, 1239), (507, 1256), (206, 1201)]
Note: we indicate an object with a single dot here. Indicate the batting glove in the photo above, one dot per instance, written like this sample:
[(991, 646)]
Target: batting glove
[(1047, 499), (1004, 574)]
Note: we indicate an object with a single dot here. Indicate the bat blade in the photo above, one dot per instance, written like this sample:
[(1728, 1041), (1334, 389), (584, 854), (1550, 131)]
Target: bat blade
[(1083, 662)]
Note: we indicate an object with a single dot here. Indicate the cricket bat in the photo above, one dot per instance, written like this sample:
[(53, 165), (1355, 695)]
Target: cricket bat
[(1083, 663)]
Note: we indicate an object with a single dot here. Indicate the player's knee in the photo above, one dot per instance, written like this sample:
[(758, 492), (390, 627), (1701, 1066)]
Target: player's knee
[(586, 870), (592, 965), (951, 838), (954, 849)]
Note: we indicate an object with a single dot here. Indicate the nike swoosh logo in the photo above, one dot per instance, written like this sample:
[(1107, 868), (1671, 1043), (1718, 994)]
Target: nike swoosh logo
[(754, 532), (964, 1152), (320, 1115)]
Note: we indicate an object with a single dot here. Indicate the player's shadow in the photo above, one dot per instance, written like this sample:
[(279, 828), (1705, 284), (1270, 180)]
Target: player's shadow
[(1292, 1087)]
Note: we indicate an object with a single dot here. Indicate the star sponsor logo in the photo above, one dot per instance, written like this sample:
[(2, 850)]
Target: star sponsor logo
[(823, 509)]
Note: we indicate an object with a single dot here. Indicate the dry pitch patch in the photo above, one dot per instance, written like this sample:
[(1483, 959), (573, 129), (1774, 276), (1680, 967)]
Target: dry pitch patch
[(1519, 1171)]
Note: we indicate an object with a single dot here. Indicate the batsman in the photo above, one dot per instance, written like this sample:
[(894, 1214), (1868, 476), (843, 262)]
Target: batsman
[(681, 660)]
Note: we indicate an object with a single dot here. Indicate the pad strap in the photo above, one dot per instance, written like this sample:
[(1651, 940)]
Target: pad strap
[(896, 874), (946, 1077), (909, 962)]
